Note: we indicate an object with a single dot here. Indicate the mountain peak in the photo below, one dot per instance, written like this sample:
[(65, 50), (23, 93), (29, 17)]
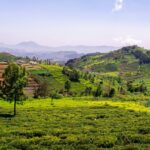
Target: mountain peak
[(28, 43)]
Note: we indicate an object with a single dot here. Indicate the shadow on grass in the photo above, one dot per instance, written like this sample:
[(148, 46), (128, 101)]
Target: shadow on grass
[(6, 116)]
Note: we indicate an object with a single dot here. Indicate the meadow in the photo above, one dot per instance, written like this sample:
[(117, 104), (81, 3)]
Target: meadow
[(71, 124)]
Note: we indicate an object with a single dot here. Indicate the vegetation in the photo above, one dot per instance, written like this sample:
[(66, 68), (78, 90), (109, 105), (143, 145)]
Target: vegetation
[(6, 57), (132, 59), (67, 85), (73, 124), (99, 101), (71, 73), (42, 90), (14, 81)]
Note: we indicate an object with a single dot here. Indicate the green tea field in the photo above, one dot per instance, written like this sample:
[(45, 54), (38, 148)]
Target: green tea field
[(69, 124)]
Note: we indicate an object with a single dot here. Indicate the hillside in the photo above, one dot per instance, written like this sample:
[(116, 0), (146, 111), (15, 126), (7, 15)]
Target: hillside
[(7, 57), (132, 59), (53, 76)]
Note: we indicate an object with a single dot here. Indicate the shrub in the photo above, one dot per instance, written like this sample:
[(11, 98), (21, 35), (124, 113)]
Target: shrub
[(145, 130), (112, 92), (71, 73), (42, 90), (106, 142), (98, 91)]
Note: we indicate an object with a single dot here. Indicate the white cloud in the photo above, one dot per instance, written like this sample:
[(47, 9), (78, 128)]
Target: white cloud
[(118, 5), (128, 40)]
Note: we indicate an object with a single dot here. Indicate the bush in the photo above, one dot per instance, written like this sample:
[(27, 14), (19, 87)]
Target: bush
[(42, 90), (112, 92), (145, 130), (98, 91), (106, 142)]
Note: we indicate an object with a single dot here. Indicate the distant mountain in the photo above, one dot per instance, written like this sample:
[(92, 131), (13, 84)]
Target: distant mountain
[(87, 49), (62, 53), (33, 47)]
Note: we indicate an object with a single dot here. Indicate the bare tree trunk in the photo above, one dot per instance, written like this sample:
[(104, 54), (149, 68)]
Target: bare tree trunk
[(15, 107)]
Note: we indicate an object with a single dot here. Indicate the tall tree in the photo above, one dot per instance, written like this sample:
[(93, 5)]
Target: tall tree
[(15, 79)]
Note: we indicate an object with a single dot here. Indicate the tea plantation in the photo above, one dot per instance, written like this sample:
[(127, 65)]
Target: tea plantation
[(69, 124)]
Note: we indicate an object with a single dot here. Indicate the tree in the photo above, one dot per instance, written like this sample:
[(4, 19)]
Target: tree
[(74, 76), (67, 85), (71, 73), (88, 91), (99, 90), (42, 90), (15, 79), (130, 86)]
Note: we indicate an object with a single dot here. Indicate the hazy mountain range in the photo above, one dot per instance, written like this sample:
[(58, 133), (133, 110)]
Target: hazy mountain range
[(62, 53)]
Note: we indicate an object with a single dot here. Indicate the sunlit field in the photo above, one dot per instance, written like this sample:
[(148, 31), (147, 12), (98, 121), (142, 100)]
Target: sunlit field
[(75, 124)]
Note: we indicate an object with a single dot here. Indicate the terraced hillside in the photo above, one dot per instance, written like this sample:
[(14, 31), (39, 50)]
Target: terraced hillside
[(49, 74), (3, 66), (31, 84)]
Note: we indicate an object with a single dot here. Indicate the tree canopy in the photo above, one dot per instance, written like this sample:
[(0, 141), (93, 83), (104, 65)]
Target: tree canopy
[(15, 79)]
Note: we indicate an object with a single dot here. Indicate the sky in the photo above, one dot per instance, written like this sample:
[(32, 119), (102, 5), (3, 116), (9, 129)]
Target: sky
[(75, 22)]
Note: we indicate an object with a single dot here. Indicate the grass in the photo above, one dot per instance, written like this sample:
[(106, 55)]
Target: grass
[(58, 79), (75, 124)]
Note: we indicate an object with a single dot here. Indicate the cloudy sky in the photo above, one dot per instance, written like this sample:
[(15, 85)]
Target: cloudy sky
[(76, 22)]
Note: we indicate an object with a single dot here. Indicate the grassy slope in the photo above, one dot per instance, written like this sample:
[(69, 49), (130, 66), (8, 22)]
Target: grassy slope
[(71, 124), (115, 63), (58, 79), (7, 57)]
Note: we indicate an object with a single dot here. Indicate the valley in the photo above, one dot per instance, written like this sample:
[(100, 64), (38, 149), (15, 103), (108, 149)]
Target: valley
[(98, 101)]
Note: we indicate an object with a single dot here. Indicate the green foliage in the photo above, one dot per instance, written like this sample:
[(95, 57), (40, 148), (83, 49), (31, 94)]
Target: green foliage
[(6, 57), (131, 63), (56, 95), (15, 80), (72, 124), (136, 88), (73, 74), (41, 72), (112, 92), (42, 90), (99, 90), (57, 80), (67, 85), (112, 84), (88, 91)]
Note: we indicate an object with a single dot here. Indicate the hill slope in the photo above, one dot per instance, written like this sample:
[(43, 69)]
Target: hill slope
[(124, 60), (7, 57), (54, 77)]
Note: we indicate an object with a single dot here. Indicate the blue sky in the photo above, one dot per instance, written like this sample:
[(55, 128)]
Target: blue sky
[(75, 22)]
